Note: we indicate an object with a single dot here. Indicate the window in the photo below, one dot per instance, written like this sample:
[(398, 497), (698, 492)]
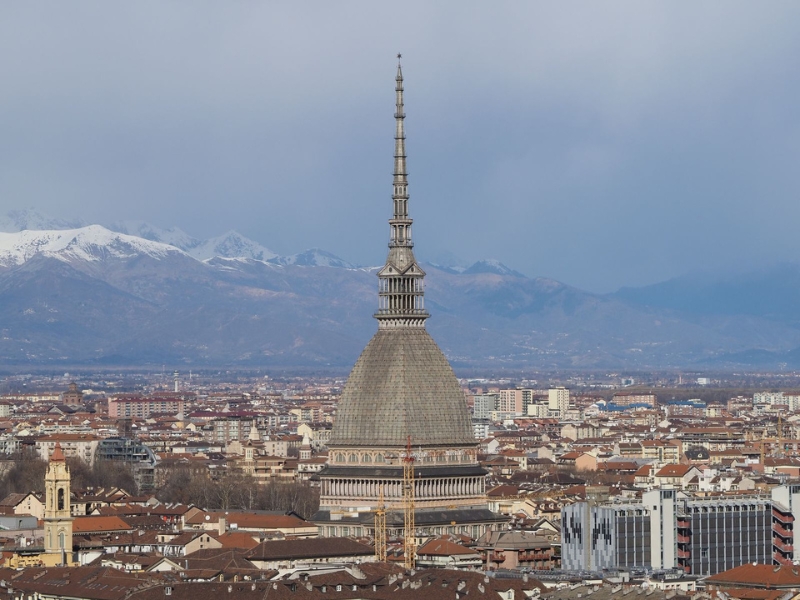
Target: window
[(60, 499)]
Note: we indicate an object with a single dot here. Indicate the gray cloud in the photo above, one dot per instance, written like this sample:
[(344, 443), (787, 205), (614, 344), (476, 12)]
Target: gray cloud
[(603, 144)]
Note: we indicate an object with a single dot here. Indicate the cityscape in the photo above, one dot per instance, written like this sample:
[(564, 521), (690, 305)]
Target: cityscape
[(198, 417)]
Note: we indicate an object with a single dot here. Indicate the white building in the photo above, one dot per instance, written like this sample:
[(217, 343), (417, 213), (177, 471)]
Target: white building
[(768, 398), (558, 401)]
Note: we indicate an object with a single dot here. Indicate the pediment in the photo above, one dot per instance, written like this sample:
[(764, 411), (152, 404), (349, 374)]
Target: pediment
[(391, 269)]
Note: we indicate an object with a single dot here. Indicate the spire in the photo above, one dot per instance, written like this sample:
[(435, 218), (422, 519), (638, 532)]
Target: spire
[(400, 193), (401, 279), (58, 454)]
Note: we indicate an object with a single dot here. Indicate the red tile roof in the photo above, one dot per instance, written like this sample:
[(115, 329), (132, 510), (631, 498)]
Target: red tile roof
[(758, 576), (99, 524)]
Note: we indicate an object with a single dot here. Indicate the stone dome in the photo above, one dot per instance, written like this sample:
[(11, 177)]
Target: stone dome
[(400, 386)]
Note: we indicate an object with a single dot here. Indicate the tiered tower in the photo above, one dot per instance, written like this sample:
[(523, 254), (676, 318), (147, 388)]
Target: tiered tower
[(57, 513), (402, 388)]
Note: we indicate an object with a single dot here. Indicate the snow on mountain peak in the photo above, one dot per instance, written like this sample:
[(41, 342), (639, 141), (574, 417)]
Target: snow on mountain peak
[(91, 243), (231, 245), (30, 218), (173, 236), (491, 265), (313, 258)]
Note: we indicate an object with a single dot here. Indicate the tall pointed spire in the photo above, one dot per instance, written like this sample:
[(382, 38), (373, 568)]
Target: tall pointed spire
[(401, 289), (401, 224)]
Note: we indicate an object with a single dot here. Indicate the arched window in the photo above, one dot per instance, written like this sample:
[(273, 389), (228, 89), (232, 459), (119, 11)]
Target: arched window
[(366, 458), (60, 501), (353, 458), (340, 457), (379, 458)]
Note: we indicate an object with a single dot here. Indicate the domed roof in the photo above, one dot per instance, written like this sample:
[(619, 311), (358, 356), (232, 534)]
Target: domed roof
[(402, 385)]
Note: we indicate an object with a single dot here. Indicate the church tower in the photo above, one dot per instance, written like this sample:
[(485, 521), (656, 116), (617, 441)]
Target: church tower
[(57, 517), (402, 392)]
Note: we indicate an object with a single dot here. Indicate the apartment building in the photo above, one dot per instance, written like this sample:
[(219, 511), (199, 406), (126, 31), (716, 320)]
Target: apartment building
[(631, 398), (668, 529), (135, 406)]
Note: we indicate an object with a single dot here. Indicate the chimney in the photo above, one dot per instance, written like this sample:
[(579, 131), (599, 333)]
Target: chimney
[(222, 525)]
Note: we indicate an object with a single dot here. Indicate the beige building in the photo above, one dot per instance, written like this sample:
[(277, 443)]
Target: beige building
[(663, 451), (73, 445), (558, 401), (24, 504)]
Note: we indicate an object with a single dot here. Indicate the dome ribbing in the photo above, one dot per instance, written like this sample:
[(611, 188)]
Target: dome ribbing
[(402, 385)]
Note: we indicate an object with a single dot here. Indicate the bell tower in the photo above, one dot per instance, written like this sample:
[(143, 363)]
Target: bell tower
[(57, 514)]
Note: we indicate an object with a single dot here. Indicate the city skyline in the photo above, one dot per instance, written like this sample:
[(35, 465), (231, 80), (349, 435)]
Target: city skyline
[(601, 146)]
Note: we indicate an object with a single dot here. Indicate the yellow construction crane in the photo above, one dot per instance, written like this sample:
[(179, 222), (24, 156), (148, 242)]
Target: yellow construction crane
[(380, 529), (409, 532)]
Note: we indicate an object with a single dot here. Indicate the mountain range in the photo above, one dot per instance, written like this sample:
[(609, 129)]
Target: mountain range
[(72, 293)]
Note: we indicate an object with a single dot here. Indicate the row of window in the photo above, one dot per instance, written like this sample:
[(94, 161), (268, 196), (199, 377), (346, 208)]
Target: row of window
[(367, 458)]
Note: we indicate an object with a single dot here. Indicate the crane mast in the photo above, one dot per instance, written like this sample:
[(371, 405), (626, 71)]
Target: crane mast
[(380, 529), (409, 545)]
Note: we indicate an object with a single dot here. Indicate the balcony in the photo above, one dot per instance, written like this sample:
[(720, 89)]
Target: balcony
[(782, 531), (684, 553), (525, 556), (782, 546), (782, 517), (683, 523), (683, 539), (781, 560)]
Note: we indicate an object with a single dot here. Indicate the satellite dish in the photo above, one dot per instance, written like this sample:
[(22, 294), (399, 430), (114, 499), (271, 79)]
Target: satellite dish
[(208, 517)]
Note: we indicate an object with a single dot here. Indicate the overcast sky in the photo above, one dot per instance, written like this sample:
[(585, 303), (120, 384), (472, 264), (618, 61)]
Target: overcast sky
[(599, 143)]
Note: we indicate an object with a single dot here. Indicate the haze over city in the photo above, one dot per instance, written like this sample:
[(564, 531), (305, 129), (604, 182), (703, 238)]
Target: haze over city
[(574, 372), (603, 145)]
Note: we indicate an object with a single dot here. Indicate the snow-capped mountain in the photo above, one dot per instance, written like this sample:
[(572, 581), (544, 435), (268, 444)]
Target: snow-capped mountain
[(491, 265), (313, 258), (231, 245), (89, 295), (173, 236), (92, 243), (20, 220)]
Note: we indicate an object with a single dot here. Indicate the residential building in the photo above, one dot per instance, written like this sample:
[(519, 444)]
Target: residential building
[(134, 406), (557, 401), (668, 529)]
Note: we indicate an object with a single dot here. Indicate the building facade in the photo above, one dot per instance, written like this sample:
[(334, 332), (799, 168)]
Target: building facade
[(134, 406), (668, 529)]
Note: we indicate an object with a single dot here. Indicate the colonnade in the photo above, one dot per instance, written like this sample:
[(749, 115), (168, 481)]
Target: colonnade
[(424, 489)]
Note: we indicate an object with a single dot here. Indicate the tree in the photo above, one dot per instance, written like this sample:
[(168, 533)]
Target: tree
[(26, 474)]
